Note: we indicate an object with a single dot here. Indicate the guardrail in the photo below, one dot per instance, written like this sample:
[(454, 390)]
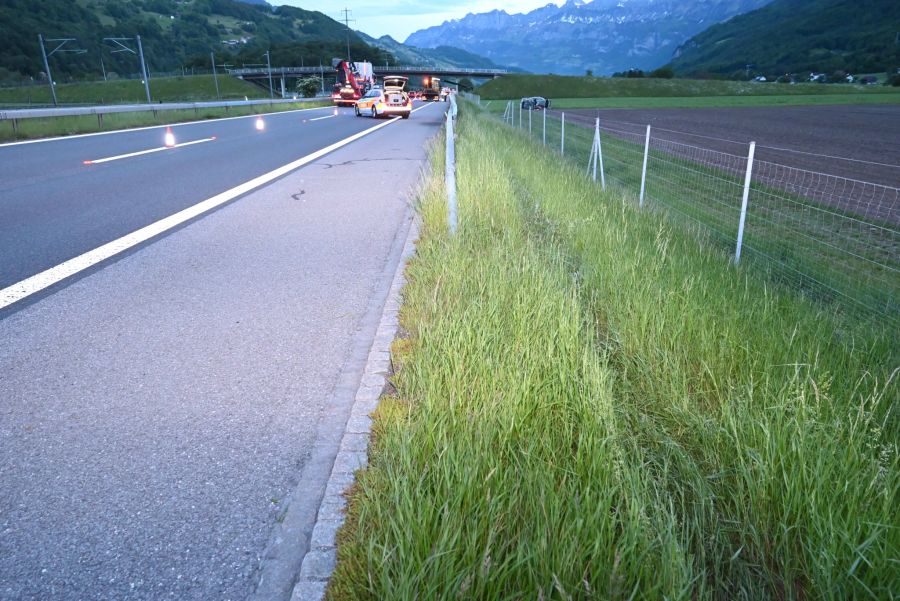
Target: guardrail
[(15, 114)]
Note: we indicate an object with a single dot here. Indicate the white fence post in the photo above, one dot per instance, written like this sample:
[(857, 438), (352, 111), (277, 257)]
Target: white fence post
[(598, 155), (520, 116), (747, 178), (562, 136), (545, 126), (450, 175), (644, 170), (529, 121)]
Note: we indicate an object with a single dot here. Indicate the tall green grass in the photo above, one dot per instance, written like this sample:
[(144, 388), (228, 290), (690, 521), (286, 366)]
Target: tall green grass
[(593, 405)]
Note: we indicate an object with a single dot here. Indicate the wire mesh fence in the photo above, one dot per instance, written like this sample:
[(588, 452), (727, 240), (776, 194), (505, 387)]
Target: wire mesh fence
[(834, 238)]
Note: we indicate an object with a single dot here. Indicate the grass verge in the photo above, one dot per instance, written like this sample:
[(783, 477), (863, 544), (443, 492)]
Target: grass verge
[(193, 88), (593, 405), (82, 124)]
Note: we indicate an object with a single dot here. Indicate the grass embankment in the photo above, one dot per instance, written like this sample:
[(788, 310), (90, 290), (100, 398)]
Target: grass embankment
[(82, 124), (195, 88), (600, 92), (592, 405)]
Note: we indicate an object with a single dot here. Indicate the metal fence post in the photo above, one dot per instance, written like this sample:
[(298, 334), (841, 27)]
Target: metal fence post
[(544, 135), (520, 116), (562, 136), (599, 155), (450, 175), (644, 170), (529, 121), (747, 178)]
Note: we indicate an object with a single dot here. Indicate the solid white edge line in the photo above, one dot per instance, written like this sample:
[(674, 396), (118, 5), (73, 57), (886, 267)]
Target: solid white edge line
[(325, 117), (40, 281), (141, 152), (125, 131)]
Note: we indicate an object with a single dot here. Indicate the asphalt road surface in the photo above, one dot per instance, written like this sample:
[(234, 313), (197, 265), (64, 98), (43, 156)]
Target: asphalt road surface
[(156, 413)]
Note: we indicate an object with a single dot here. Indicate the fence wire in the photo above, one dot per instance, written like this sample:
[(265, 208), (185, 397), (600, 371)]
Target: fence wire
[(834, 238)]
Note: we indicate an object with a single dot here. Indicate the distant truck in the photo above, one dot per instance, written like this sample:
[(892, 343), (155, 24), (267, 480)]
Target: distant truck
[(353, 81), (431, 89)]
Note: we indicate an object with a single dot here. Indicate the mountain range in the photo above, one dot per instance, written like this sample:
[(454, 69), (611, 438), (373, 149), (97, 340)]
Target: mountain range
[(603, 36), (799, 36), (442, 57)]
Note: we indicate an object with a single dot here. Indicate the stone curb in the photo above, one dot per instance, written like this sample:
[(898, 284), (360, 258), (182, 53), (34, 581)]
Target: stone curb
[(320, 560)]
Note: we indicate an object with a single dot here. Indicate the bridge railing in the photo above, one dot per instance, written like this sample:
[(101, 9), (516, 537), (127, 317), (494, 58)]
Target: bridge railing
[(278, 71)]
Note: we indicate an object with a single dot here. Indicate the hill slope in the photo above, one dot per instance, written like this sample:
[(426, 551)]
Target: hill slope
[(174, 34), (795, 36), (603, 35)]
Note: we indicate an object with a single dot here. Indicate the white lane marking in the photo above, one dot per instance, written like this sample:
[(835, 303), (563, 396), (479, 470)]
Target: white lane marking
[(325, 117), (125, 131), (40, 281), (140, 152)]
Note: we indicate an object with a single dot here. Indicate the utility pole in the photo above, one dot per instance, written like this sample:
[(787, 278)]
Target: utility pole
[(62, 42), (121, 47), (212, 58), (103, 68), (144, 70), (269, 64), (347, 20)]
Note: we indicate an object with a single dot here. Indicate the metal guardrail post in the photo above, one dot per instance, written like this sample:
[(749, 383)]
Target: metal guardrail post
[(450, 174), (746, 196)]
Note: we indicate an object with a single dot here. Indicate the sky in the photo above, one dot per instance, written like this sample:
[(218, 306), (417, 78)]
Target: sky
[(399, 18)]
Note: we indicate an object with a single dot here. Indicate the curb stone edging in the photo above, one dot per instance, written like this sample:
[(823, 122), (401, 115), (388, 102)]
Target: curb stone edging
[(319, 562)]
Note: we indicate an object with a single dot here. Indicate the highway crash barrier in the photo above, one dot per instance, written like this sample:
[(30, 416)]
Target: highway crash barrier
[(15, 115)]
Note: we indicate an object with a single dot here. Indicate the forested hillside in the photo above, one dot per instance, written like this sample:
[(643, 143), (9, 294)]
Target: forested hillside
[(799, 36), (174, 34)]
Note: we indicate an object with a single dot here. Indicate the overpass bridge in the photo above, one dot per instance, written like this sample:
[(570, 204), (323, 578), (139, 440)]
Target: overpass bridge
[(279, 75), (279, 72)]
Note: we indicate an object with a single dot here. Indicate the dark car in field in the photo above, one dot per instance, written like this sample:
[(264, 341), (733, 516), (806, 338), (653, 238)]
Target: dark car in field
[(535, 103)]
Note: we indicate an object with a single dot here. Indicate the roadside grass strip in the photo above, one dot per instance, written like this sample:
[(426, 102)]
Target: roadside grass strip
[(591, 404)]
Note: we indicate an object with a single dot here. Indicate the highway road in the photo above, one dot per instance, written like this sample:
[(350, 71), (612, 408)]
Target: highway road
[(53, 206), (157, 408)]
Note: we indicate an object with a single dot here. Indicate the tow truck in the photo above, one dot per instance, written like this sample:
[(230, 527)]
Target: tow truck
[(353, 81), (431, 90)]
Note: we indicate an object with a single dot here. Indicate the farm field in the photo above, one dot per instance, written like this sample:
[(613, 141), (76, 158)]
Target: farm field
[(592, 90), (867, 135), (884, 96)]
